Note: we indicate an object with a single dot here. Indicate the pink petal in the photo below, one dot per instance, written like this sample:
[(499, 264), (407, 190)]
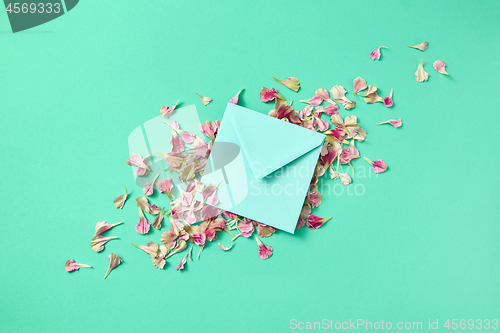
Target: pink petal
[(439, 66), (314, 221), (395, 122), (264, 251), (313, 101), (165, 186), (182, 263), (148, 187), (379, 166), (142, 227), (234, 100), (388, 101), (139, 162), (332, 109), (267, 95), (323, 93), (358, 84), (72, 265), (209, 128), (246, 228), (223, 248), (375, 55), (322, 125), (167, 111), (199, 239)]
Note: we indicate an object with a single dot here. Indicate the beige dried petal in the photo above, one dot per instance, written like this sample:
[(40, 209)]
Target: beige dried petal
[(120, 200), (159, 262), (204, 100), (114, 261), (98, 242), (421, 46), (143, 204), (421, 75)]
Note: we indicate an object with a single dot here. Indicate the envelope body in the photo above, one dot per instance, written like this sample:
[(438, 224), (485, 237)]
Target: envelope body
[(263, 166)]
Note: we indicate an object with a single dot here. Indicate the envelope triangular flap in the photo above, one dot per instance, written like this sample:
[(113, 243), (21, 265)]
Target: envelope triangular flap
[(269, 143)]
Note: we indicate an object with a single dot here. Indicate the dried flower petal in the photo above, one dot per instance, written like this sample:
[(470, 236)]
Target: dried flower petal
[(167, 111), (292, 83), (120, 200), (103, 226), (149, 187), (143, 204), (421, 75), (234, 100), (338, 92), (393, 122), (439, 66), (139, 162), (182, 263), (267, 95), (204, 100), (375, 55), (314, 221), (199, 239), (150, 248), (159, 262), (421, 46), (223, 248), (98, 242), (246, 228), (159, 219), (72, 265), (358, 84), (165, 186), (114, 261), (209, 128), (323, 93), (379, 166), (373, 98), (313, 101), (142, 227), (347, 104), (388, 100), (264, 251)]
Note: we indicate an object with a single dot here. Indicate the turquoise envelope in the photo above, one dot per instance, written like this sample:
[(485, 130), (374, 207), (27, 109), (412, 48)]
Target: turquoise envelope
[(263, 166)]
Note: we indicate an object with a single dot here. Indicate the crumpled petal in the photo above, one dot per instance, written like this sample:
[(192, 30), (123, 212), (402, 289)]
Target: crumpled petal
[(167, 111), (114, 261), (264, 251), (149, 187), (204, 100), (292, 83), (72, 265), (394, 122), (421, 46), (246, 228), (120, 200), (358, 85), (103, 226), (375, 55), (378, 166), (421, 75), (439, 66), (234, 100), (98, 242)]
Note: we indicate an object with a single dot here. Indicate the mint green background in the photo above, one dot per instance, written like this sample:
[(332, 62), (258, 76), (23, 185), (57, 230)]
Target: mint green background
[(420, 244)]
